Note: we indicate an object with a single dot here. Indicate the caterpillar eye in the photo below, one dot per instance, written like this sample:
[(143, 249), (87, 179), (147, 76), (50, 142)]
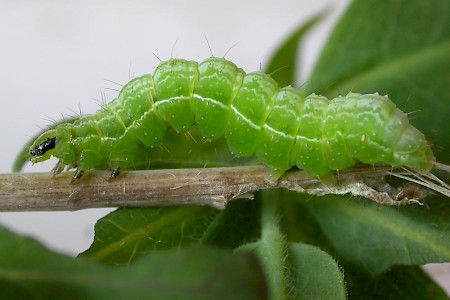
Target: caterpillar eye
[(44, 147)]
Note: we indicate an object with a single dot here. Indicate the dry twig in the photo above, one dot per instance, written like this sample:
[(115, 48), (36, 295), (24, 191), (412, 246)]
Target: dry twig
[(212, 186)]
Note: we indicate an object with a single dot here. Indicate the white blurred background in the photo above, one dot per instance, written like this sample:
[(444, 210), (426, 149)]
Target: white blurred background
[(56, 58)]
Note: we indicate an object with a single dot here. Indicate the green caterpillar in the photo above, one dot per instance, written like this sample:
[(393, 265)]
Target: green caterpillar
[(281, 126)]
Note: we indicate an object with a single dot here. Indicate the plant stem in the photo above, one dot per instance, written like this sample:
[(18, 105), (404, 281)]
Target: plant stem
[(272, 247), (211, 186)]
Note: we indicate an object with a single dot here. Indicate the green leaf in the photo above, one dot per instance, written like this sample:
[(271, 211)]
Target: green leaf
[(373, 39), (238, 224), (283, 64), (127, 233), (375, 237), (28, 270), (315, 274), (400, 48), (299, 224), (293, 270), (401, 282)]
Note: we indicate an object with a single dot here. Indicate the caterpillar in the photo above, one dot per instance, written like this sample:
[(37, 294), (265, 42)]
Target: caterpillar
[(281, 126)]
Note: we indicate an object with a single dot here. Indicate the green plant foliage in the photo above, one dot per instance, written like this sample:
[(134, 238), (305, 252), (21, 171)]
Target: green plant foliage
[(401, 282), (128, 233), (29, 271), (375, 238), (282, 66), (314, 273), (293, 270)]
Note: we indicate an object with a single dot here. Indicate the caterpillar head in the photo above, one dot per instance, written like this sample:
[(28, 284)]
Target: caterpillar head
[(43, 147)]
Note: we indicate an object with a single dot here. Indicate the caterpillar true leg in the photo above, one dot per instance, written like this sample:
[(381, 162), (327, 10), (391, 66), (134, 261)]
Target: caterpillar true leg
[(114, 174), (78, 174)]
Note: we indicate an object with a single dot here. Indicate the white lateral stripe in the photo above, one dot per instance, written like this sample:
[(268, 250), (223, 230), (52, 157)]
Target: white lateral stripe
[(218, 103), (303, 138), (245, 118), (278, 132)]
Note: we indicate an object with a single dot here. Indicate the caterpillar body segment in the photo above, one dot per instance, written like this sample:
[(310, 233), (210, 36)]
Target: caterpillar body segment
[(281, 126)]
